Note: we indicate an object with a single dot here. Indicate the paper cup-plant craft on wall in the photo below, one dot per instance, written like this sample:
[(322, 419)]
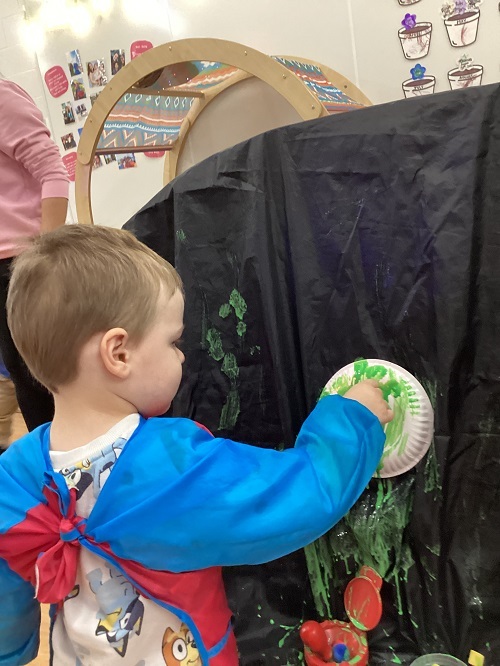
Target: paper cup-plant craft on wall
[(415, 37), (409, 434), (466, 75), (461, 18), (420, 82)]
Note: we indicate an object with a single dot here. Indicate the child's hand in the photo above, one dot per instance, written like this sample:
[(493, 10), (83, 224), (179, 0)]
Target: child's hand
[(368, 393)]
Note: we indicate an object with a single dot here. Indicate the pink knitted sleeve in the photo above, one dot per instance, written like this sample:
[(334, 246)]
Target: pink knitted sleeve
[(25, 138)]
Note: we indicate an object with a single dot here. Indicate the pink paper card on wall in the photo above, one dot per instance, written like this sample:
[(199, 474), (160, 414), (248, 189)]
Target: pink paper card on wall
[(57, 81), (69, 161), (154, 153), (136, 48)]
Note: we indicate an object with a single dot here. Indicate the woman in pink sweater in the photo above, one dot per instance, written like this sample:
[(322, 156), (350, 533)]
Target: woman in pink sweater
[(33, 199)]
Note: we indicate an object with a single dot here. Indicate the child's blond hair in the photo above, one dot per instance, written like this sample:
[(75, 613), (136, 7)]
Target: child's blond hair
[(78, 281)]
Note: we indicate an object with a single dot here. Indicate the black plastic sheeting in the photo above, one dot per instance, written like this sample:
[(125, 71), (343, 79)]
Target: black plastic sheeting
[(371, 234)]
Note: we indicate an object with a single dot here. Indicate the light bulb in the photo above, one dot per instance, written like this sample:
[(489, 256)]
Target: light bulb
[(32, 35), (53, 14), (129, 7), (101, 7), (80, 20), (152, 12)]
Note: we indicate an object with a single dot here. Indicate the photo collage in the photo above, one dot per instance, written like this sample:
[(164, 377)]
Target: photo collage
[(87, 78)]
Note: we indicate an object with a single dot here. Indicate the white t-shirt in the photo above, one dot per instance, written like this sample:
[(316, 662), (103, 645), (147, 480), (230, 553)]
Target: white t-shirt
[(105, 621)]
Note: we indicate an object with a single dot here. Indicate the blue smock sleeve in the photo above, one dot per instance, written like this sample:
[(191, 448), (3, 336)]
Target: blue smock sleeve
[(19, 619), (221, 503)]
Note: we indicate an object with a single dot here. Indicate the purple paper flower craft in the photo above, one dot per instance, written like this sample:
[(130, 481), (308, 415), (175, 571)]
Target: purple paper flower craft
[(409, 21)]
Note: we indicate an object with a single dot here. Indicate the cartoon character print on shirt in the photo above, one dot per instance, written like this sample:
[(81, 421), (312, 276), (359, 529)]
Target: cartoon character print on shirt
[(78, 477), (121, 612), (179, 648), (93, 472), (73, 594)]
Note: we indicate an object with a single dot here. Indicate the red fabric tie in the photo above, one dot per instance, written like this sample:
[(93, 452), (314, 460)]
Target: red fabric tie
[(44, 548)]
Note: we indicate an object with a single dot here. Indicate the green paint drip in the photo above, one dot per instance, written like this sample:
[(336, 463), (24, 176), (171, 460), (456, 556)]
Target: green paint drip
[(230, 411), (473, 569), (214, 344), (435, 550), (428, 569), (430, 387), (410, 613), (373, 534), (224, 310), (238, 303), (288, 630), (241, 329), (431, 471)]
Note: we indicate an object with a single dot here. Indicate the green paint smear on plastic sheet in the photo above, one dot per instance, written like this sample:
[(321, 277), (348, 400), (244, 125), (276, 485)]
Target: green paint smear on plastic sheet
[(238, 303), (230, 411), (224, 310), (215, 344), (373, 534), (229, 366)]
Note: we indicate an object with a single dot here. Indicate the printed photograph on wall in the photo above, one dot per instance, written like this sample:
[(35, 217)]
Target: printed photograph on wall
[(81, 111), (461, 18), (93, 98), (68, 141), (415, 37), (466, 75), (117, 60), (74, 63), (68, 113), (96, 71), (127, 161), (78, 89), (97, 163), (109, 158), (420, 83)]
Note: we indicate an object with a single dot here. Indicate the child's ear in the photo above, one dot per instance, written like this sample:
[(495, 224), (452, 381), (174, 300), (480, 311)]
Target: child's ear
[(115, 354)]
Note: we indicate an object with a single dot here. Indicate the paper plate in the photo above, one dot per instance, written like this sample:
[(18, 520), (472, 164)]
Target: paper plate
[(409, 435), (437, 660)]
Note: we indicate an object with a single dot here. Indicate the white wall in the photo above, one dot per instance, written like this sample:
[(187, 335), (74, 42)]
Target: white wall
[(358, 38), (16, 62)]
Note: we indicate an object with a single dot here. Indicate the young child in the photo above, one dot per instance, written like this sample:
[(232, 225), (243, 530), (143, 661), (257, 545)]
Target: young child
[(122, 520)]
